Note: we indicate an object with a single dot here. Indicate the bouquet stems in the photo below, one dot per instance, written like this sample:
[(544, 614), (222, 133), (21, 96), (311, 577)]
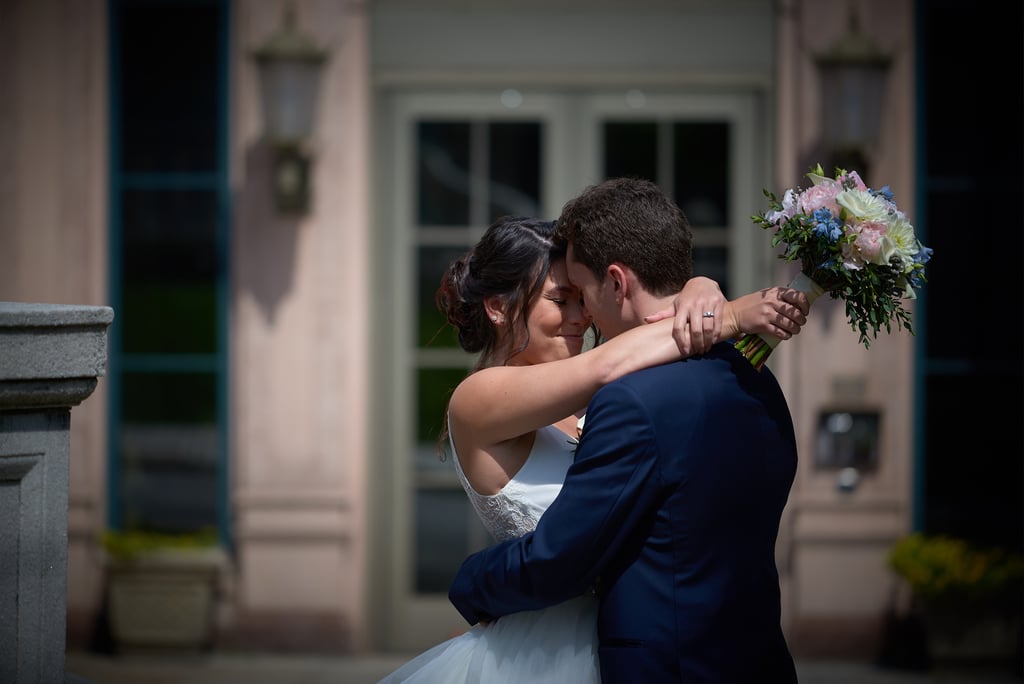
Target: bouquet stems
[(757, 348)]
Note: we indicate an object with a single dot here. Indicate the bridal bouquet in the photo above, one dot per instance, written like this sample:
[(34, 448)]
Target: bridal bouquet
[(853, 243)]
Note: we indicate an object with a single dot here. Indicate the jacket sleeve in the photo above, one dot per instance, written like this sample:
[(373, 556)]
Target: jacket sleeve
[(608, 493)]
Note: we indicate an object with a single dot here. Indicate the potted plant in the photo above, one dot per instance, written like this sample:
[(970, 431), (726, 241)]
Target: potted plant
[(162, 588), (969, 596)]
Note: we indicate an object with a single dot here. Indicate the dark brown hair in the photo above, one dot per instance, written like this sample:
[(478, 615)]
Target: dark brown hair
[(511, 261), (632, 222)]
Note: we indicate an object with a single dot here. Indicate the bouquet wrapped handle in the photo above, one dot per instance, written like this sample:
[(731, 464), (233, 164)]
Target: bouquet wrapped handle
[(757, 348)]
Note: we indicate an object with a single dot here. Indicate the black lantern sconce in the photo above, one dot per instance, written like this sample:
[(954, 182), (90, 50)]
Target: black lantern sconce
[(853, 74), (290, 67)]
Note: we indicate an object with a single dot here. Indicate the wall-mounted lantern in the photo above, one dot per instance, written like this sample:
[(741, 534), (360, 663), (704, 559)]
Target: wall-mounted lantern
[(290, 67), (853, 74)]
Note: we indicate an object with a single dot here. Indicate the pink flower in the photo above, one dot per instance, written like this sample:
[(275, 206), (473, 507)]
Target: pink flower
[(870, 241), (855, 177), (820, 196)]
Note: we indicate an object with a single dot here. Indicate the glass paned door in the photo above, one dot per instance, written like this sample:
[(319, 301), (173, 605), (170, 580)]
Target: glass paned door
[(462, 160), (701, 149), (690, 161), (470, 172)]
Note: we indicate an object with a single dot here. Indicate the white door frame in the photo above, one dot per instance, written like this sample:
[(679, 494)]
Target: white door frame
[(571, 156)]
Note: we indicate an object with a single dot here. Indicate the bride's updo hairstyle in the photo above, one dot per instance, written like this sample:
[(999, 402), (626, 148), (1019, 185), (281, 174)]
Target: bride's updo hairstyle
[(511, 262)]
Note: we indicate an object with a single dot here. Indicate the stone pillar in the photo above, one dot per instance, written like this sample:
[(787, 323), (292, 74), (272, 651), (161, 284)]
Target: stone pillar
[(51, 356)]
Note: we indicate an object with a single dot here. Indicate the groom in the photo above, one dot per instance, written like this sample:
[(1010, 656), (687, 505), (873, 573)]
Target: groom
[(672, 507)]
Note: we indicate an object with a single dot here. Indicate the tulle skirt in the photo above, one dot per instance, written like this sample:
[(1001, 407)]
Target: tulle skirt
[(557, 645)]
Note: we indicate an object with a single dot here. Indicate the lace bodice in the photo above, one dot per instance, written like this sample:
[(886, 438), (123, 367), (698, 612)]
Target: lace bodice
[(515, 510)]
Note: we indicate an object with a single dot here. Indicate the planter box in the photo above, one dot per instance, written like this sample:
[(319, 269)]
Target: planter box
[(974, 631), (165, 600), (971, 638)]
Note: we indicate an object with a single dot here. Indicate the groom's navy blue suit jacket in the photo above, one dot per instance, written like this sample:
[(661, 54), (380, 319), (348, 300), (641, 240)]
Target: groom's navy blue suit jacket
[(671, 512)]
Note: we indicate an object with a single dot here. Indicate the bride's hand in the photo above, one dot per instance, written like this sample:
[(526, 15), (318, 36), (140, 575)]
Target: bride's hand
[(693, 330), (778, 311)]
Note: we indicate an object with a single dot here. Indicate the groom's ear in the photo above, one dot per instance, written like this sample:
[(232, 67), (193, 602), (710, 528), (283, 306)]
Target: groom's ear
[(617, 276)]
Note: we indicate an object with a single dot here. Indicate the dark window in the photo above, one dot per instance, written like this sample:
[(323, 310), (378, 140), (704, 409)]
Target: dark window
[(168, 272), (432, 265), (514, 169), (169, 107), (443, 181), (701, 172), (690, 161), (970, 182), (631, 150)]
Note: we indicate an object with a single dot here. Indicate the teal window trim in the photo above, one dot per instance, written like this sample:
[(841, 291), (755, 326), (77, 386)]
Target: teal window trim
[(120, 182), (223, 285), (920, 312), (171, 181), (114, 268)]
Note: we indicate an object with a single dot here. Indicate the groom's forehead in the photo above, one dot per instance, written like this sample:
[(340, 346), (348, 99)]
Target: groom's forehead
[(584, 280), (575, 270), (570, 256)]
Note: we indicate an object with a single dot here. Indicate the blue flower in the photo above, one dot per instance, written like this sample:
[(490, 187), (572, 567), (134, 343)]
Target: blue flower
[(884, 192), (916, 275), (827, 226), (924, 255)]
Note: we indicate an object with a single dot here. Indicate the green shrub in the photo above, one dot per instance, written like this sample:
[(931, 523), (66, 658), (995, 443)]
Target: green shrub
[(128, 544), (939, 566)]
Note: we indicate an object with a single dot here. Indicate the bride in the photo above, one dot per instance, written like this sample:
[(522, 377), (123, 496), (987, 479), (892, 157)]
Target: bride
[(512, 423)]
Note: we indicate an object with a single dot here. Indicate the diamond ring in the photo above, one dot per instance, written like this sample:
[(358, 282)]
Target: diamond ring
[(709, 314)]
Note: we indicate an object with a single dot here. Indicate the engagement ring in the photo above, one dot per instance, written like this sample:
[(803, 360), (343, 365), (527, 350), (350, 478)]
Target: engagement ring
[(709, 314)]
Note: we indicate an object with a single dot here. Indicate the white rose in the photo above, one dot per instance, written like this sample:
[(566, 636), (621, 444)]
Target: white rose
[(863, 205)]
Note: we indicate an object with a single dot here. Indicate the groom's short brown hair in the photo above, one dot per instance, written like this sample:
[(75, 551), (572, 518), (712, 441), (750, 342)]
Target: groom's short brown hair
[(633, 222)]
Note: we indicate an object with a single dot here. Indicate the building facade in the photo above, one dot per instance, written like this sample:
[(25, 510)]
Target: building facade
[(280, 375)]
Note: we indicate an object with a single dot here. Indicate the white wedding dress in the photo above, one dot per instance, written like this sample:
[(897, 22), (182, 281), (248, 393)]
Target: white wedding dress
[(557, 645)]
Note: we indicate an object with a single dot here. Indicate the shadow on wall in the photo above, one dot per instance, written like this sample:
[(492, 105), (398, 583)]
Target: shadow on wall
[(264, 240)]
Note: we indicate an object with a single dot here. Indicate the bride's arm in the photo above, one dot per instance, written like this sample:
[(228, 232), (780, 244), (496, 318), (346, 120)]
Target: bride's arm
[(502, 402), (778, 311)]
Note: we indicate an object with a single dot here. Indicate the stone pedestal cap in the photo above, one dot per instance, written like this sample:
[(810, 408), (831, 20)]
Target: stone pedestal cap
[(51, 354)]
